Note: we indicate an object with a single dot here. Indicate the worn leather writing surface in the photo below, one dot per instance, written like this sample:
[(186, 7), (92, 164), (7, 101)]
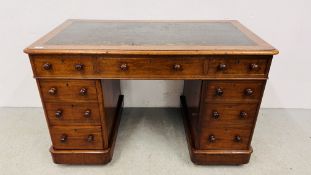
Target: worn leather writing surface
[(151, 33)]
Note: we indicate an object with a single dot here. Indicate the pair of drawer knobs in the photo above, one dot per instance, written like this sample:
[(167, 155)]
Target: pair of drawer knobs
[(216, 115), (247, 92), (176, 67), (64, 138), (78, 67), (222, 67), (59, 113), (53, 91), (212, 138)]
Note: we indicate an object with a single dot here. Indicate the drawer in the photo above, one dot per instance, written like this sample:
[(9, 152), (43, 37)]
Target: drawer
[(73, 113), (63, 65), (239, 66), (151, 67), (68, 90), (76, 137), (229, 115), (232, 139), (233, 91)]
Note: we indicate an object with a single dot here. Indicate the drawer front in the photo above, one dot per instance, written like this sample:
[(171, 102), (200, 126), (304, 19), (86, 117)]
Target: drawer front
[(232, 139), (73, 113), (235, 66), (152, 67), (68, 90), (157, 67), (239, 115), (63, 65), (77, 137), (233, 91)]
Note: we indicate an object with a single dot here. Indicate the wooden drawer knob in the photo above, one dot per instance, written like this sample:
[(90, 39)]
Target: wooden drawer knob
[(211, 138), (248, 92), (79, 67), (47, 66), (63, 138), (90, 138), (124, 67), (83, 91), (53, 91), (177, 67), (237, 138), (216, 115), (222, 67), (243, 114), (253, 66), (87, 113), (219, 92), (59, 113)]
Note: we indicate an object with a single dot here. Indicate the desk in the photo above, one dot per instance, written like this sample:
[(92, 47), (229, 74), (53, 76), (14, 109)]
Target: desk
[(78, 67)]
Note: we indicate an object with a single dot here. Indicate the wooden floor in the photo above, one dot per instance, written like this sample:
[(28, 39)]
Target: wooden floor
[(152, 141)]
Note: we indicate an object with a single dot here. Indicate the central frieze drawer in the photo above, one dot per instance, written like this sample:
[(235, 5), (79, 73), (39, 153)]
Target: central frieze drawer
[(153, 67)]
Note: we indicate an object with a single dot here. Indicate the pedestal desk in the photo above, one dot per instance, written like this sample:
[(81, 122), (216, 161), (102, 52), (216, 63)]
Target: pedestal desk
[(78, 67)]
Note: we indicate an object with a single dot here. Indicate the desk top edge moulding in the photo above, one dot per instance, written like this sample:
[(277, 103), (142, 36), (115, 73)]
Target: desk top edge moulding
[(191, 37), (78, 67)]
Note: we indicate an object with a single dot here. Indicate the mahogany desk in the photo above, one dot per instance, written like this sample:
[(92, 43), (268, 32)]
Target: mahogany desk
[(78, 67)]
